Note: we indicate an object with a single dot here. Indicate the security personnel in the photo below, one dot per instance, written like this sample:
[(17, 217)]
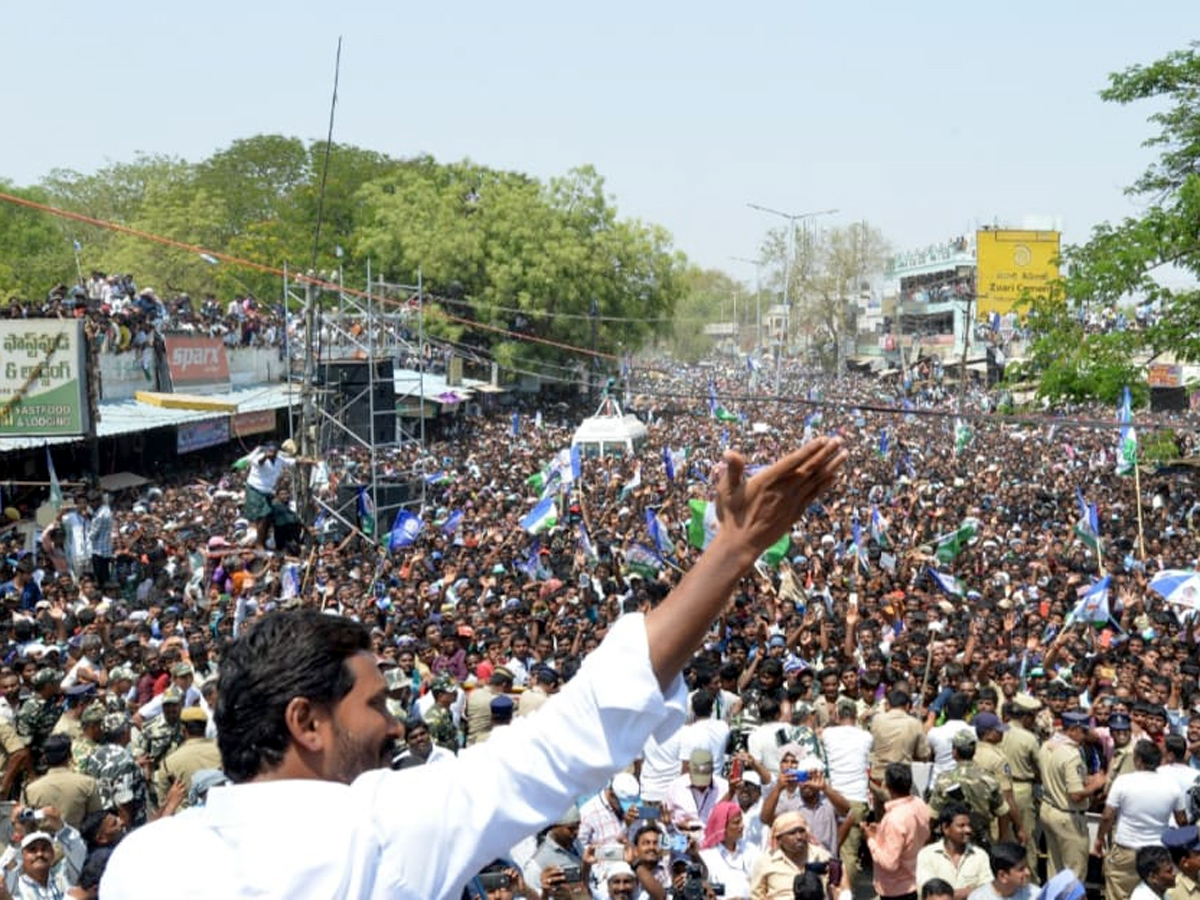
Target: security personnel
[(197, 752), (91, 725), (1066, 790), (74, 795), (121, 780), (1020, 748), (1121, 729), (439, 719), (970, 785), (1184, 846), (989, 731), (38, 715)]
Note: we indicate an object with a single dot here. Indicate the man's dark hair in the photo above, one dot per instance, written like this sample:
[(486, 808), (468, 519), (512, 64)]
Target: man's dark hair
[(768, 709), (807, 886), (957, 705), (57, 749), (286, 655), (1147, 755), (897, 777), (898, 699), (936, 887), (500, 678), (195, 729), (1005, 856), (964, 751), (1149, 859), (1176, 746), (950, 812), (702, 703)]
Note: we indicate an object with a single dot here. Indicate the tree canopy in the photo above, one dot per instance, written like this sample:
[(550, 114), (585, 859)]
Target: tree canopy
[(1151, 260), (517, 268)]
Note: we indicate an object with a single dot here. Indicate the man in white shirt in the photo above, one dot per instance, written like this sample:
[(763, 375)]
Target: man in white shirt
[(942, 736), (659, 766), (1142, 803), (705, 732), (954, 859), (304, 731), (265, 467), (1156, 871), (848, 757)]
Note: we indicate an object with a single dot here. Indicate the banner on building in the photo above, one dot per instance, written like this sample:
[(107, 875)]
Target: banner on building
[(43, 378), (1010, 264), (198, 365), (253, 423), (198, 435)]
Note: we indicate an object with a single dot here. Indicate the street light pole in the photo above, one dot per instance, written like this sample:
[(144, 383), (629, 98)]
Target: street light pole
[(792, 219), (757, 263)]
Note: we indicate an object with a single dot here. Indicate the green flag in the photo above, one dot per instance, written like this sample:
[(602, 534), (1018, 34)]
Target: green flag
[(703, 525), (723, 415), (775, 554), (952, 544)]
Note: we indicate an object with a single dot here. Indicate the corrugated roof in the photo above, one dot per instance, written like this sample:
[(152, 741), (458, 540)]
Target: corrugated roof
[(129, 416)]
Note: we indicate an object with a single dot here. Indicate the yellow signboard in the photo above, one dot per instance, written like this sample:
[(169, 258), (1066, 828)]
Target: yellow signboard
[(1010, 263)]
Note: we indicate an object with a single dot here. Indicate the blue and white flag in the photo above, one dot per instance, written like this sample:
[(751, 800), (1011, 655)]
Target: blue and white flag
[(56, 494), (658, 534), (1127, 447), (576, 462), (634, 483), (947, 584), (453, 522), (406, 528), (516, 424), (668, 463), (366, 512), (529, 566), (585, 544), (1093, 604), (544, 515)]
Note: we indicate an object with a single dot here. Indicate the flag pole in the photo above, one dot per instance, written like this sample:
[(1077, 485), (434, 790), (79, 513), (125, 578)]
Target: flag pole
[(1137, 487)]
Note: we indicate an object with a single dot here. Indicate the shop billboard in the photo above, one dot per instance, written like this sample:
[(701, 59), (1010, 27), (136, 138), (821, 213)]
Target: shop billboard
[(1008, 264), (198, 365), (43, 378)]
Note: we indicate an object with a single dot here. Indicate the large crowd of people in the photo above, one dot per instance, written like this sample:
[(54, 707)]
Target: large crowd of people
[(913, 692)]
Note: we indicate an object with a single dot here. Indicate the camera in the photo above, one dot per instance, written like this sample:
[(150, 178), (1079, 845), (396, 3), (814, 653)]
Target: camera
[(572, 873), (796, 775), (494, 881), (31, 815), (693, 885)]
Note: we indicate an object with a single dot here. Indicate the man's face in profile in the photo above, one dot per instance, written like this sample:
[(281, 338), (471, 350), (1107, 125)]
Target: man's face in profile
[(362, 733)]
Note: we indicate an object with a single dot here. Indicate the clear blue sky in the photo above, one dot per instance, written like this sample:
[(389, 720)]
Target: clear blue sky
[(925, 119)]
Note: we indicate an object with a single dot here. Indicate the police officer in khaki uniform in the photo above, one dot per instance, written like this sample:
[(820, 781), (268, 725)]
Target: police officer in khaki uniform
[(1184, 846), (989, 731), (1020, 747), (1121, 729), (1066, 789), (195, 753), (74, 795), (899, 738)]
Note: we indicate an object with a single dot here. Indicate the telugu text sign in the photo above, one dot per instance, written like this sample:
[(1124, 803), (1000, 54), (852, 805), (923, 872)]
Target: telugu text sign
[(43, 378), (1009, 264), (197, 364)]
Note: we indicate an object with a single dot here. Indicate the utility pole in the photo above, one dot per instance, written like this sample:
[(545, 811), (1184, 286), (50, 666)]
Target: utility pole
[(792, 219), (308, 405)]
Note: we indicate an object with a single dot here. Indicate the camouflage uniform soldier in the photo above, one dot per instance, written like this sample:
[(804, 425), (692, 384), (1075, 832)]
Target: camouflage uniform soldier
[(121, 781), (119, 682), (438, 718), (165, 732), (38, 715), (92, 730), (969, 784)]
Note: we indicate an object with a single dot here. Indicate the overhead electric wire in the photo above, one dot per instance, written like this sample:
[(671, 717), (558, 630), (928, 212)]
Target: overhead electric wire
[(276, 271)]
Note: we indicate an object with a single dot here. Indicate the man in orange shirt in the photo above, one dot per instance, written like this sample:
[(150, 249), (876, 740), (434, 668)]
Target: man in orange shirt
[(898, 837)]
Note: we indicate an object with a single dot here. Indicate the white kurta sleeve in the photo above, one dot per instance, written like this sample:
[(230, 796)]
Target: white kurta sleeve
[(436, 833)]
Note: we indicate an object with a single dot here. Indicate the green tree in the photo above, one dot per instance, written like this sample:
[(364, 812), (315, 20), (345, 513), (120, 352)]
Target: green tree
[(1124, 264), (35, 250), (707, 297)]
